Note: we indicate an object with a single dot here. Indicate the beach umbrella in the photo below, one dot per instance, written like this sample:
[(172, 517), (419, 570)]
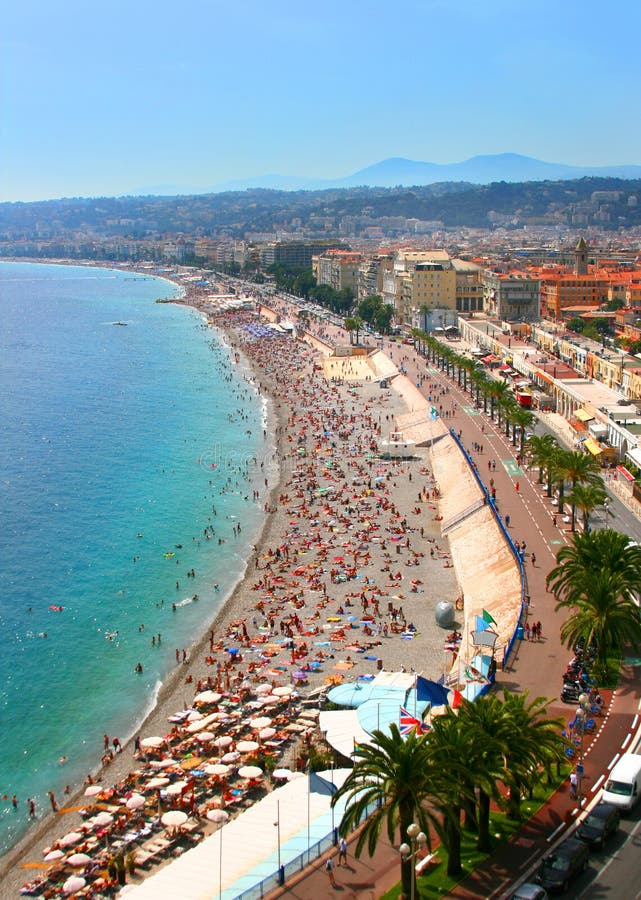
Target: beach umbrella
[(247, 746), (78, 859), (283, 691), (205, 736), (296, 775), (93, 790), (201, 724), (157, 782), (231, 757), (207, 697), (174, 818), (217, 815), (260, 722), (271, 700), (194, 715), (73, 884), (218, 769), (250, 772), (224, 741), (102, 819), (266, 733), (284, 774), (53, 855), (136, 801), (163, 763), (176, 788), (263, 688), (71, 838), (151, 742)]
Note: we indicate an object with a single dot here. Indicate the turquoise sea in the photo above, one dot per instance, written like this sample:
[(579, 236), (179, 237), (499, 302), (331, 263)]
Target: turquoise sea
[(120, 445)]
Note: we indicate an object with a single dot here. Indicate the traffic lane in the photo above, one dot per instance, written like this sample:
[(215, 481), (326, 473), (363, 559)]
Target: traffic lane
[(614, 872)]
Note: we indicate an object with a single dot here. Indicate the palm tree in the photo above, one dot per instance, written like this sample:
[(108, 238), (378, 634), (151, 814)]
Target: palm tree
[(540, 451), (496, 391), (586, 498), (532, 740), (522, 419), (577, 468), (450, 749), (484, 720), (353, 323), (597, 578), (394, 776)]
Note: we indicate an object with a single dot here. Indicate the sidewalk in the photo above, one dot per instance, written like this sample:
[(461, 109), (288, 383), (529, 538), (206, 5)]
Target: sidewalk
[(533, 666)]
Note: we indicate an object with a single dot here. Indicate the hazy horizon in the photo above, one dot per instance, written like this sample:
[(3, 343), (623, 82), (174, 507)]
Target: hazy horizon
[(207, 94)]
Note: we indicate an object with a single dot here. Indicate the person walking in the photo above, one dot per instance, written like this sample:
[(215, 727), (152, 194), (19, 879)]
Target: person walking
[(342, 852), (533, 558), (329, 868)]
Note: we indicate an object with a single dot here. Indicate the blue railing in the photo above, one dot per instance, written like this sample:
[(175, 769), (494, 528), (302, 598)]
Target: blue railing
[(515, 551)]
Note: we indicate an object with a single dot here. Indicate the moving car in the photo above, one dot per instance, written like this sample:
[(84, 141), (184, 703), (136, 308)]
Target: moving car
[(529, 891), (563, 864), (623, 787), (599, 825)]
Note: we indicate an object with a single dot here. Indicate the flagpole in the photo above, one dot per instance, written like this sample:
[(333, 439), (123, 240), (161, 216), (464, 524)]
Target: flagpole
[(415, 683)]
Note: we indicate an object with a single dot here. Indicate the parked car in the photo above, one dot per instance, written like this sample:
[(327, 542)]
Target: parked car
[(529, 891), (563, 864), (599, 825), (570, 692)]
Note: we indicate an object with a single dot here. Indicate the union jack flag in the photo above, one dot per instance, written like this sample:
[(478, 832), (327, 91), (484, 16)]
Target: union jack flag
[(409, 723)]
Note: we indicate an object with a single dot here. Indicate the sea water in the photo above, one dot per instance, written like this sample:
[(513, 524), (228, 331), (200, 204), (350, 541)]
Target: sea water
[(120, 446)]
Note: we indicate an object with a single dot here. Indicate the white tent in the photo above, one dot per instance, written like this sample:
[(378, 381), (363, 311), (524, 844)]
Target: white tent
[(244, 850)]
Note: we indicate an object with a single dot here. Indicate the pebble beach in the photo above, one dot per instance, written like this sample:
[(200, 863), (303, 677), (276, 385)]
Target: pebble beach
[(343, 580)]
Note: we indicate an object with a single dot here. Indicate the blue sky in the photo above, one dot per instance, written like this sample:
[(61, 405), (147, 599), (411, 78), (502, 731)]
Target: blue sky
[(133, 94)]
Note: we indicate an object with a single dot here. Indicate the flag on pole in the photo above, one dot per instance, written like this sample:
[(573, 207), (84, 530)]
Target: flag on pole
[(457, 699), (472, 674), (488, 618), (409, 723), (318, 785), (435, 693)]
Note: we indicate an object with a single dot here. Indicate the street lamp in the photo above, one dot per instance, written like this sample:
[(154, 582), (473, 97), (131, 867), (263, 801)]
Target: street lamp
[(584, 703), (408, 853)]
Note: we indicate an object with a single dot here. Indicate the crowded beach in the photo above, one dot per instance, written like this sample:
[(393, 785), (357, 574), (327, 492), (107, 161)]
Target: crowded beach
[(343, 584)]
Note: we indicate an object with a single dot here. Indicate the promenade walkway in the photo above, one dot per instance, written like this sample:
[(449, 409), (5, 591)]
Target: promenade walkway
[(536, 667)]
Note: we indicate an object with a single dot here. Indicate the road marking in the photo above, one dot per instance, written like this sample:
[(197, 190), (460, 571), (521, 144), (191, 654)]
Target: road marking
[(634, 722), (511, 467), (524, 864), (607, 865), (471, 411), (555, 832), (626, 741), (596, 784), (612, 761)]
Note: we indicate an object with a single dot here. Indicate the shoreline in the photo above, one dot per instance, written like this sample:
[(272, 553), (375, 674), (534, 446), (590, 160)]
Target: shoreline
[(171, 689), (174, 693)]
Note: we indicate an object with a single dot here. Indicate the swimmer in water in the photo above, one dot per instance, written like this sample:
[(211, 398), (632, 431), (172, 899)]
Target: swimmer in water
[(62, 760)]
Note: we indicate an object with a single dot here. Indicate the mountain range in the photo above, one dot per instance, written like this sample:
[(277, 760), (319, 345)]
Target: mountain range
[(397, 171)]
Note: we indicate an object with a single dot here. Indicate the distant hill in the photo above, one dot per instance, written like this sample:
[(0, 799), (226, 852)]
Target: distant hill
[(399, 172), (26, 228)]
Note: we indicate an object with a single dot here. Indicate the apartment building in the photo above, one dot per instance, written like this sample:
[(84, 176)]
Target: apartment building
[(511, 296), (338, 268)]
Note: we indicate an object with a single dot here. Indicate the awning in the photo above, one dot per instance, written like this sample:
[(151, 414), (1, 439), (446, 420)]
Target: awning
[(583, 415), (592, 447), (634, 455), (544, 377)]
